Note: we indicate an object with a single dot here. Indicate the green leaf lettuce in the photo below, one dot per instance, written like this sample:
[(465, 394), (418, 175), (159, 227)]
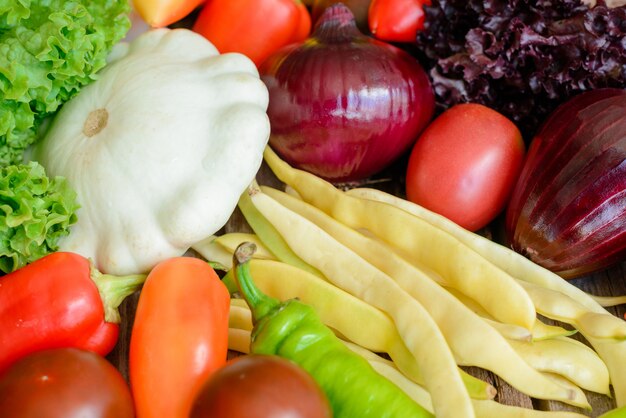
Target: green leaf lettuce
[(49, 49), (35, 212)]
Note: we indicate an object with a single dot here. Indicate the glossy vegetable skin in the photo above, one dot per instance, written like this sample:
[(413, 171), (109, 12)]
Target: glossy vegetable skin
[(160, 13), (60, 301), (293, 330), (179, 336), (568, 210), (465, 164), (344, 105), (256, 28), (261, 386), (396, 20), (64, 383)]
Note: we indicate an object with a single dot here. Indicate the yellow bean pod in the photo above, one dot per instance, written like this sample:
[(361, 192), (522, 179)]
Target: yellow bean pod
[(465, 332), (270, 237), (352, 318), (540, 331), (611, 352), (508, 260), (561, 307), (350, 272), (214, 252), (232, 240), (423, 243), (568, 358)]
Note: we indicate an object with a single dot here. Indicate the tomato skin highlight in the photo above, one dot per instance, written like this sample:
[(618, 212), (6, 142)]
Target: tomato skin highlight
[(464, 165), (261, 386), (179, 336), (255, 28), (64, 383), (396, 20)]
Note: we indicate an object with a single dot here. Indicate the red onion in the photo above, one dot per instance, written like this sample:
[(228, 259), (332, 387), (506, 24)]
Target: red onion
[(568, 209), (343, 105)]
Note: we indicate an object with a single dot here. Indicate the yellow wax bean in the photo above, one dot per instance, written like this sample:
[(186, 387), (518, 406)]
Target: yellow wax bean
[(425, 244), (351, 273), (568, 358), (540, 331), (387, 369), (232, 240), (483, 408), (354, 319), (270, 237), (239, 340), (214, 252), (492, 409), (508, 260), (239, 315), (607, 301), (614, 355), (561, 307), (465, 332)]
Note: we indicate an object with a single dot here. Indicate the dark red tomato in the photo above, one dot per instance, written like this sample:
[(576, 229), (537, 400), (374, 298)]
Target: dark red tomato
[(464, 165), (64, 383), (261, 386)]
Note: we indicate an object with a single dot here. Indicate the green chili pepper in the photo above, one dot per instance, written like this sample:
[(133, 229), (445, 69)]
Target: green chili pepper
[(293, 330)]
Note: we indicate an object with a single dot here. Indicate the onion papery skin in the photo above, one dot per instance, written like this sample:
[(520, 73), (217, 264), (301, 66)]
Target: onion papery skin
[(568, 209), (343, 105)]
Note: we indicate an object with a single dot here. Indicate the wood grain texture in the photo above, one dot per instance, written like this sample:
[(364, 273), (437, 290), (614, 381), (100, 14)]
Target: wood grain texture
[(611, 282)]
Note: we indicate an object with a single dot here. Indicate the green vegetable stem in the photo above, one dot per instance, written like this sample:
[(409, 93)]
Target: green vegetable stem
[(293, 330)]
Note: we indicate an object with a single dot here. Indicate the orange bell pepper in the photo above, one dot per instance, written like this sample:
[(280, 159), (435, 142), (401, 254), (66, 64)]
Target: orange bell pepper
[(255, 28), (396, 20), (179, 336), (160, 13)]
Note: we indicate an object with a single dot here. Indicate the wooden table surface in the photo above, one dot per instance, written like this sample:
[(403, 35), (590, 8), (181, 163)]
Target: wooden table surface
[(611, 282)]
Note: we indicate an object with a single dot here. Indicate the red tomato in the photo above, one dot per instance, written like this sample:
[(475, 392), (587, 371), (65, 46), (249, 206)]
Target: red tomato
[(261, 386), (64, 383), (465, 164)]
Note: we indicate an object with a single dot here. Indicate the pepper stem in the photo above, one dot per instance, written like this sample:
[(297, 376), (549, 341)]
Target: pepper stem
[(260, 304), (114, 289)]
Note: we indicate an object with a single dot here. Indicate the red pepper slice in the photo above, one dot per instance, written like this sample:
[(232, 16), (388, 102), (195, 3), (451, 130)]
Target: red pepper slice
[(255, 28), (396, 20), (60, 301)]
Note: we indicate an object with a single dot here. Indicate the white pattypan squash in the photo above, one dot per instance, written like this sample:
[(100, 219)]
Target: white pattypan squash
[(158, 149)]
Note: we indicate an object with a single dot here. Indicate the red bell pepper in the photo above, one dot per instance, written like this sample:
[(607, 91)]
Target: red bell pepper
[(396, 20), (60, 301), (179, 337), (255, 28)]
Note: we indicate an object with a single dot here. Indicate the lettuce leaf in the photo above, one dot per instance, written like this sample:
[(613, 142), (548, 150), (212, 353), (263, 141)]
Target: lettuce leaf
[(35, 212), (49, 49), (522, 57)]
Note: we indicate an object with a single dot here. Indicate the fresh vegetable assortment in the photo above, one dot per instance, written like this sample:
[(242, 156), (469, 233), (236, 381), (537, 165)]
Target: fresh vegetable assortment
[(116, 159)]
